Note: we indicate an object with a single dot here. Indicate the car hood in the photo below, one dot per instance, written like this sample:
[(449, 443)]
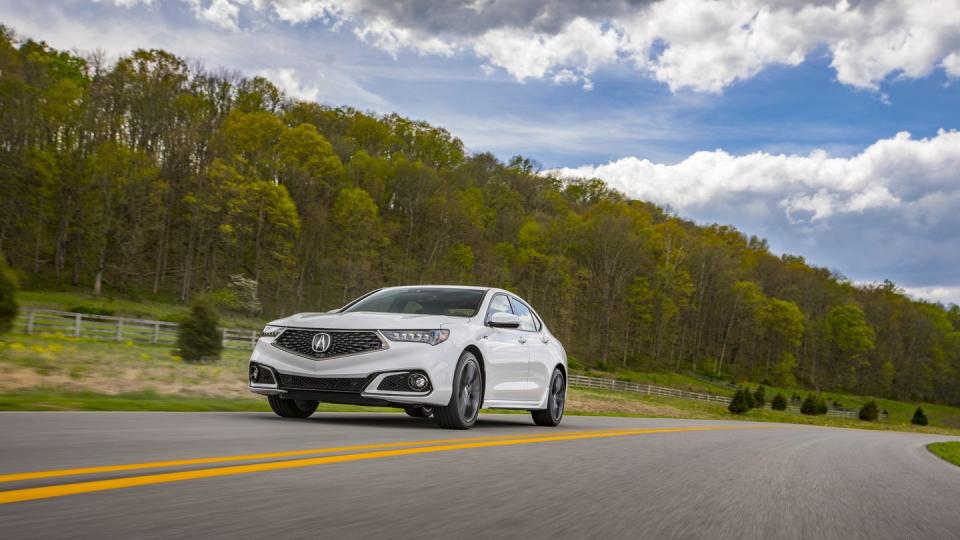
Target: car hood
[(362, 320)]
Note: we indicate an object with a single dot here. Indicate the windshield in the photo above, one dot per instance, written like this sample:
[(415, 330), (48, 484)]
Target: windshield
[(422, 301)]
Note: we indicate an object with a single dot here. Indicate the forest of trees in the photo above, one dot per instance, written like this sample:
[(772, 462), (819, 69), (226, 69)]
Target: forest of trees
[(153, 177)]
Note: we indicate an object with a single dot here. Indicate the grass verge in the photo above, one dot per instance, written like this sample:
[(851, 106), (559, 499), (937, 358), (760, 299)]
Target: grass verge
[(948, 451)]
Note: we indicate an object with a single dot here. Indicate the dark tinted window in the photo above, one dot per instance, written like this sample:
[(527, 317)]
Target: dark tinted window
[(527, 321), (422, 301)]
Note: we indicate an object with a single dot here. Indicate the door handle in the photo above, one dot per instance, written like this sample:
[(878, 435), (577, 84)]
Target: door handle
[(522, 339), (545, 339)]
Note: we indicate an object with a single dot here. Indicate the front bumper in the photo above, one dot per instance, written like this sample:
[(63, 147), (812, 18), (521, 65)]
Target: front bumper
[(362, 379)]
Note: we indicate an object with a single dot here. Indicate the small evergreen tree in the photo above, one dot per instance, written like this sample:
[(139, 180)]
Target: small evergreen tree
[(809, 406), (199, 338), (8, 293), (821, 406), (748, 397), (779, 403), (739, 403), (919, 418), (869, 412), (760, 396)]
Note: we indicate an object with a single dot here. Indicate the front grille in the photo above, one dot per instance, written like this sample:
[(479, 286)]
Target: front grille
[(399, 383), (331, 384), (341, 343)]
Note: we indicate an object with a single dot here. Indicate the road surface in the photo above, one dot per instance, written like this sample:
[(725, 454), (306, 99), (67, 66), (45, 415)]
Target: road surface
[(251, 475)]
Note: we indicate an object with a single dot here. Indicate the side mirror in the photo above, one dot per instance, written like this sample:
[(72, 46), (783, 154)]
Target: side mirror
[(504, 320)]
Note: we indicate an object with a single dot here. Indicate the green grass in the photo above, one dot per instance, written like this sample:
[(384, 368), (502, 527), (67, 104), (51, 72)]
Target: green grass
[(155, 309), (56, 400), (949, 451)]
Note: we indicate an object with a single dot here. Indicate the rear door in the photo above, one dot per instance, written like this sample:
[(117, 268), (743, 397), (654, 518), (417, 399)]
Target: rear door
[(505, 352)]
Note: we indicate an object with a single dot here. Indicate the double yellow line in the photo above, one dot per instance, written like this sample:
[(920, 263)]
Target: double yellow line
[(341, 454)]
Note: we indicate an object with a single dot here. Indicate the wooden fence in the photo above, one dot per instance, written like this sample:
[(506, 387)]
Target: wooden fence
[(109, 328)]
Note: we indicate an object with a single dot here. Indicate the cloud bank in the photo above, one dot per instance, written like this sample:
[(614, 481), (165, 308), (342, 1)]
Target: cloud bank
[(890, 211), (701, 45)]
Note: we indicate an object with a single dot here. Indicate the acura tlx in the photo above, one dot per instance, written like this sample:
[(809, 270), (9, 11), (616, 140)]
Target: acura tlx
[(435, 351)]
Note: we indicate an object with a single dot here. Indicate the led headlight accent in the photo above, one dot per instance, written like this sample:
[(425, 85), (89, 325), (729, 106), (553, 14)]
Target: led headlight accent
[(431, 337), (271, 331)]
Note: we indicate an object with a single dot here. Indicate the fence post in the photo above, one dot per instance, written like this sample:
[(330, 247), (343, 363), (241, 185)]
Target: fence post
[(29, 322), (156, 332), (253, 338), (223, 340), (119, 329), (76, 325)]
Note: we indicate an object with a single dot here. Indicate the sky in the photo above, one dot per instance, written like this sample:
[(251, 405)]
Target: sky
[(827, 127)]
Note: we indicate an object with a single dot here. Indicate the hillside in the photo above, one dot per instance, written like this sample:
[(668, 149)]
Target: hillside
[(149, 178)]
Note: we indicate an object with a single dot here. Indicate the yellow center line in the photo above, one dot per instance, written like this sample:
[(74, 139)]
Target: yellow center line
[(56, 473), (29, 494)]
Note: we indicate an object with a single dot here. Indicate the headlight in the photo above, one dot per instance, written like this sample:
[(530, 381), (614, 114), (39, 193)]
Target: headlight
[(271, 331), (432, 337)]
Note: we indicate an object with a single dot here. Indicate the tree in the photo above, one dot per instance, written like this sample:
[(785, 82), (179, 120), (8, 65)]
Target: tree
[(759, 397), (813, 405), (869, 411), (739, 404), (779, 402), (8, 300), (919, 418), (198, 337)]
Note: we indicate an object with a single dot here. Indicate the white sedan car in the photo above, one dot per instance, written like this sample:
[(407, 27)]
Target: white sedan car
[(439, 351)]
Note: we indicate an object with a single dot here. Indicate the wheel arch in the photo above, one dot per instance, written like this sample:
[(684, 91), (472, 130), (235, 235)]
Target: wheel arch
[(473, 349)]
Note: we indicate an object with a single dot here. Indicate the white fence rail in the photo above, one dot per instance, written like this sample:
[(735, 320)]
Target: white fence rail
[(598, 383), (109, 328)]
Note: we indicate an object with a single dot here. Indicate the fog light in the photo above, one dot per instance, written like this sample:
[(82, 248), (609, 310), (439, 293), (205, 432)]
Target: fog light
[(417, 381), (254, 374)]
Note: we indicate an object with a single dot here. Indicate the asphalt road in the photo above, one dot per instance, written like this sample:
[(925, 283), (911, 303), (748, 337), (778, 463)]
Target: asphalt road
[(591, 478)]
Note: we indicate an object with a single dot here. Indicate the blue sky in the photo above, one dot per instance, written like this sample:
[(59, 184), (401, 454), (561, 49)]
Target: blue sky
[(781, 118)]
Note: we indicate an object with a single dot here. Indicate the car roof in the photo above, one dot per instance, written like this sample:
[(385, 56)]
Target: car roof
[(471, 287)]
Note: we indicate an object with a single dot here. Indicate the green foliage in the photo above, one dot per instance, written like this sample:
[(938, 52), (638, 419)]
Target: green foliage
[(8, 296), (92, 310), (919, 418), (748, 396), (869, 411), (760, 396), (155, 178), (779, 402), (198, 336), (740, 403), (813, 405)]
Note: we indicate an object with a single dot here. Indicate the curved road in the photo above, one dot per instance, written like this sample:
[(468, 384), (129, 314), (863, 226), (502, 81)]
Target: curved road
[(366, 475)]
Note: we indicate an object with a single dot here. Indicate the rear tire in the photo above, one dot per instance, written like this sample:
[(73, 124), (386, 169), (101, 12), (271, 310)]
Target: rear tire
[(419, 411), (553, 414), (292, 408), (467, 396)]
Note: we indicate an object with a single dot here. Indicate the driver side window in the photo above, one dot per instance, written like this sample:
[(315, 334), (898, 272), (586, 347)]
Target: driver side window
[(499, 304)]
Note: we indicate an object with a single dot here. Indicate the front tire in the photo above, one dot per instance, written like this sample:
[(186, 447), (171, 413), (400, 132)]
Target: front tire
[(292, 408), (464, 406), (551, 416)]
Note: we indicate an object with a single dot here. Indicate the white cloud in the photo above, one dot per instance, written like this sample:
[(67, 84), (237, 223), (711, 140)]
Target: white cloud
[(893, 210), (703, 45), (944, 295), (288, 80)]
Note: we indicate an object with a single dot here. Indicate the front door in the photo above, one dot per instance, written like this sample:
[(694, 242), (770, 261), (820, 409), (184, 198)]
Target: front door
[(506, 356)]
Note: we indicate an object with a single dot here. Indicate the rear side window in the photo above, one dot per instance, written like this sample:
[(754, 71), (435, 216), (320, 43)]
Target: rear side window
[(527, 321), (499, 304)]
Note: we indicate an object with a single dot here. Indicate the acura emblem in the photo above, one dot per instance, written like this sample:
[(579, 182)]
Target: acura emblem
[(321, 342)]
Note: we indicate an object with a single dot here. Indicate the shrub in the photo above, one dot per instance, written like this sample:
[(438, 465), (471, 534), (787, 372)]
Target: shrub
[(198, 337), (813, 406), (919, 418), (91, 310), (8, 296), (573, 363), (760, 396), (869, 412), (739, 403), (748, 397), (779, 403)]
